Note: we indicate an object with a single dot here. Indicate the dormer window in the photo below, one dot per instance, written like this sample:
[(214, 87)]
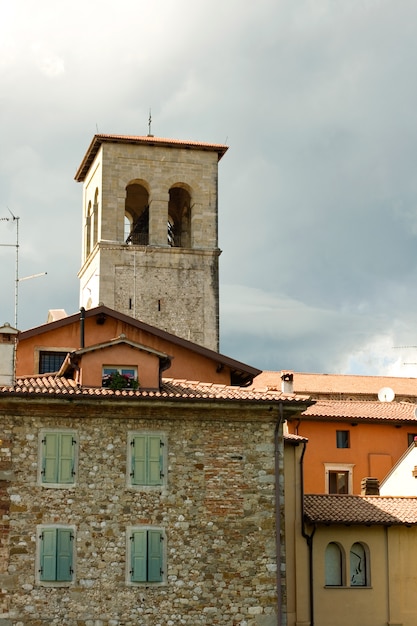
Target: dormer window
[(116, 377)]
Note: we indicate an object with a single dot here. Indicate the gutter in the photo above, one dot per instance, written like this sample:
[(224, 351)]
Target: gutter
[(307, 537)]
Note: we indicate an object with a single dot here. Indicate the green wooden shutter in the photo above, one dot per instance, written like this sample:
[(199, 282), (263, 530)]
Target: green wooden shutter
[(139, 474), (155, 551), (64, 554), (155, 475), (48, 555), (50, 447), (138, 558), (66, 458)]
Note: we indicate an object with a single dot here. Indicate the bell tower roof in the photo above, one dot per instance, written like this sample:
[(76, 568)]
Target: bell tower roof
[(148, 140)]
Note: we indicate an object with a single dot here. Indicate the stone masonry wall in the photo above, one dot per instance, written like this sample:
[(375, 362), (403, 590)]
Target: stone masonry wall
[(218, 512)]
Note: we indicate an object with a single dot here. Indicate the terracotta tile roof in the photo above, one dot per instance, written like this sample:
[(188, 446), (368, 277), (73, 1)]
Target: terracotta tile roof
[(339, 383), (171, 388), (295, 439), (149, 140), (350, 509), (361, 410)]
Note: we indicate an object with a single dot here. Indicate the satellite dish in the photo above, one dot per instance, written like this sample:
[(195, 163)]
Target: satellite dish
[(386, 394)]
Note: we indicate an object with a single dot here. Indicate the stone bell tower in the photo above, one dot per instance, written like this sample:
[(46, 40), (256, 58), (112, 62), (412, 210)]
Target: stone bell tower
[(150, 246)]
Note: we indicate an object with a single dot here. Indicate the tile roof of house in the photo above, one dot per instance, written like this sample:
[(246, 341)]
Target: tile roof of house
[(361, 410), (339, 383), (366, 510), (175, 389), (294, 439), (242, 372), (149, 140)]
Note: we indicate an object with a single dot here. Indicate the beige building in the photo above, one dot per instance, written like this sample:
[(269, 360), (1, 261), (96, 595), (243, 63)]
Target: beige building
[(350, 558), (150, 240)]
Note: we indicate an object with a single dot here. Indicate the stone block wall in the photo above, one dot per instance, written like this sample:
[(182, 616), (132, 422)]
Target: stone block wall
[(217, 510)]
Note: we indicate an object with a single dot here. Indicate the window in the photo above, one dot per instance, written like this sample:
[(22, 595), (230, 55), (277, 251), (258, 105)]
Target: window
[(358, 565), (147, 457), (146, 555), (51, 361), (342, 439), (334, 565), (55, 554), (58, 457), (339, 482), (411, 437), (118, 377), (338, 477)]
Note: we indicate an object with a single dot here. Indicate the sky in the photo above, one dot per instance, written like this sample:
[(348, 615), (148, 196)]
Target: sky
[(317, 101)]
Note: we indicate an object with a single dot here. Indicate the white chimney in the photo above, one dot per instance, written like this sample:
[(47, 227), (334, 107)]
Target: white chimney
[(287, 382), (8, 336)]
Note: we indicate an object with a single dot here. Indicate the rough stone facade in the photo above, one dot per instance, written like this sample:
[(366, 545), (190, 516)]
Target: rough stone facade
[(217, 511), (173, 288)]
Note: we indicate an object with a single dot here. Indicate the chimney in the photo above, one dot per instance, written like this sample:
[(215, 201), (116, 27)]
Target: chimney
[(8, 336), (287, 382), (369, 487)]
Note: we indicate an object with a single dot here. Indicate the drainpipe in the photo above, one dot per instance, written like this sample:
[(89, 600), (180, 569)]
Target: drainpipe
[(307, 537), (82, 320), (278, 514)]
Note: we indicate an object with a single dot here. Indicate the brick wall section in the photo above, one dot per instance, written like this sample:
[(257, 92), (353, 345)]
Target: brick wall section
[(218, 512)]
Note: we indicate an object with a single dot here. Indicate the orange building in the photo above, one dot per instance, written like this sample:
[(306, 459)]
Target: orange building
[(353, 432)]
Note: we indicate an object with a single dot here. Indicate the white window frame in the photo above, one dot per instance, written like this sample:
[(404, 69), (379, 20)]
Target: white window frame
[(338, 467), (54, 583), (66, 431), (129, 582), (164, 483)]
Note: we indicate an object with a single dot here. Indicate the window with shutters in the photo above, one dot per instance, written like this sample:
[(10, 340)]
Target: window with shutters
[(147, 453), (146, 555), (334, 565), (55, 555), (58, 456)]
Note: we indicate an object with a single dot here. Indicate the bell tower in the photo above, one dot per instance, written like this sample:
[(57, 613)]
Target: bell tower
[(150, 244)]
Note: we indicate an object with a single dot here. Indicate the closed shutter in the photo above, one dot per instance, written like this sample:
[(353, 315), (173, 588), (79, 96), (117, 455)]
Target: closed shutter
[(139, 460), (58, 454), (48, 555), (154, 461), (50, 445), (64, 554), (138, 571), (154, 556), (147, 460), (66, 458)]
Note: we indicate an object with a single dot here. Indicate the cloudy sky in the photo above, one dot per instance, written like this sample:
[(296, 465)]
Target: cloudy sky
[(317, 100)]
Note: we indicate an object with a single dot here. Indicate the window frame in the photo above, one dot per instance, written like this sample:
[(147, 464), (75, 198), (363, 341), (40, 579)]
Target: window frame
[(342, 436), (40, 530), (39, 351), (338, 467), (341, 565), (120, 369), (366, 558), (147, 530), (42, 457), (163, 460)]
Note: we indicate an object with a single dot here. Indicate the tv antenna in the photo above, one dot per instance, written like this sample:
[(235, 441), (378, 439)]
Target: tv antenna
[(16, 219)]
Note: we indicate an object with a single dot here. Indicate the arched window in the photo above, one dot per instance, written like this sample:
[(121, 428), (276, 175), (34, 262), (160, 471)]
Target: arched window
[(359, 565), (179, 218), (95, 219), (137, 214), (334, 565), (88, 231)]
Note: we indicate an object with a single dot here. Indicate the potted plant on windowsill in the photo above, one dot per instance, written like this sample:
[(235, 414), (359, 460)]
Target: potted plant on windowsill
[(115, 380)]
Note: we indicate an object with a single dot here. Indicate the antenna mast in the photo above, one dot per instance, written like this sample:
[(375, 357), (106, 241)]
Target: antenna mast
[(16, 219)]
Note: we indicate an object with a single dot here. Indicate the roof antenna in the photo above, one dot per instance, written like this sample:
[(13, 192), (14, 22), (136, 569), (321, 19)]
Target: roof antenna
[(149, 124)]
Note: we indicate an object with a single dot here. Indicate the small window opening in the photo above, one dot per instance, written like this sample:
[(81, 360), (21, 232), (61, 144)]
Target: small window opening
[(179, 218), (342, 439), (136, 215)]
